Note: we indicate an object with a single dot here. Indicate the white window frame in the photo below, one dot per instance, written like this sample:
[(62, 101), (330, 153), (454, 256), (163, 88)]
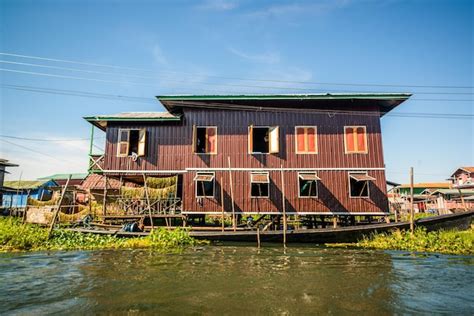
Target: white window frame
[(299, 190), (213, 186), (250, 187), (349, 185), (128, 140), (365, 140), (315, 140), (195, 139), (250, 150)]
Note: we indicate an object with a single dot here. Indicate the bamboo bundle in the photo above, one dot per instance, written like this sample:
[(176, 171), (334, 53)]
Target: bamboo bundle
[(155, 194), (160, 183)]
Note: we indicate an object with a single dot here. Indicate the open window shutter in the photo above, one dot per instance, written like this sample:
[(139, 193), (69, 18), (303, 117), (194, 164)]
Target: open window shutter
[(123, 143), (311, 139), (274, 140), (142, 142), (211, 140), (250, 139), (300, 137), (194, 138), (349, 135), (361, 139)]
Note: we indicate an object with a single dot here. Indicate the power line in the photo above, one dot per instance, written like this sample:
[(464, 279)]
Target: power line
[(49, 139), (35, 151), (240, 78), (198, 82)]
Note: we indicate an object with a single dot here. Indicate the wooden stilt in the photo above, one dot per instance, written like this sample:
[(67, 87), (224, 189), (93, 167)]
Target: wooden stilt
[(412, 210), (148, 203), (283, 204), (58, 208), (234, 224), (104, 198), (26, 206), (334, 221), (222, 202), (462, 200), (258, 237)]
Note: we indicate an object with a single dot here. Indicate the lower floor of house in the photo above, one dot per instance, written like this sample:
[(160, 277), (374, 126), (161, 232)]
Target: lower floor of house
[(261, 191)]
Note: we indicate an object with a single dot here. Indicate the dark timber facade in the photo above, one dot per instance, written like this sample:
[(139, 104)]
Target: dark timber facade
[(327, 150)]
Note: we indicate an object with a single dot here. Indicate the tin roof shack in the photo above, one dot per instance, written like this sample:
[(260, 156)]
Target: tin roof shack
[(61, 178), (420, 188), (3, 165), (17, 192), (235, 152)]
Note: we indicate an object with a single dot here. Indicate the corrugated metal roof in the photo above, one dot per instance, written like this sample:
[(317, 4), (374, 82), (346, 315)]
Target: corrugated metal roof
[(421, 185), (64, 176), (271, 102), (454, 192), (24, 184), (467, 169), (101, 120), (97, 182)]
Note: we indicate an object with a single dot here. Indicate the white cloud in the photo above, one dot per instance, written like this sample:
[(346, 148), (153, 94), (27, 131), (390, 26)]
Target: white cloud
[(159, 56), (218, 5), (266, 57), (281, 10)]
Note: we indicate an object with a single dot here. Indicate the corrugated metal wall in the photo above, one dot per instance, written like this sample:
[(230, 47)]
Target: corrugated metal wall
[(169, 147)]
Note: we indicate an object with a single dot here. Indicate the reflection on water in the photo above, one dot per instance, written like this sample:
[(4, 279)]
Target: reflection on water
[(236, 280)]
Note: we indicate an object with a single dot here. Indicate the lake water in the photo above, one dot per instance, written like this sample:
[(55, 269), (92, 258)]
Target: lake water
[(242, 280)]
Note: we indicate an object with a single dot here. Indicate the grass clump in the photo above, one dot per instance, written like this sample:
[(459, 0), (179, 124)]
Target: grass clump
[(15, 236), (448, 242)]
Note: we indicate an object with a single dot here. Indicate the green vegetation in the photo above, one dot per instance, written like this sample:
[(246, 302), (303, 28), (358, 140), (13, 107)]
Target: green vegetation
[(15, 236), (448, 242)]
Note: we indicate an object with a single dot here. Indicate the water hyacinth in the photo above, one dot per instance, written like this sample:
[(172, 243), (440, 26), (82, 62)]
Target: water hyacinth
[(15, 236)]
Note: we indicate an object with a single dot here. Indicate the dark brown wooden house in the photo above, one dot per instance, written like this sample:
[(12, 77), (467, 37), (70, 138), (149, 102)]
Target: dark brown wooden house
[(325, 148)]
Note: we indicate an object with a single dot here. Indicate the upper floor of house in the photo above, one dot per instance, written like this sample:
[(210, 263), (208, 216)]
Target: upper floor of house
[(251, 131)]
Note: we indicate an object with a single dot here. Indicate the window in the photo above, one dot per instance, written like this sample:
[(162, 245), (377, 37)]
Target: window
[(308, 185), (306, 140), (259, 184), (359, 184), (131, 141), (205, 140), (205, 184), (264, 139), (355, 138)]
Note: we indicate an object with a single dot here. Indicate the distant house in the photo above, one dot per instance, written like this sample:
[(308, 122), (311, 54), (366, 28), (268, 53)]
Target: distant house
[(463, 176), (61, 178), (421, 188), (16, 192), (3, 164)]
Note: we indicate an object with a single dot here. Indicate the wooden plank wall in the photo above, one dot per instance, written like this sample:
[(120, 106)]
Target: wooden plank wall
[(169, 148)]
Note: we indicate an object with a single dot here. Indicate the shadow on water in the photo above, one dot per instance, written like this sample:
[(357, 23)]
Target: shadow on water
[(236, 280)]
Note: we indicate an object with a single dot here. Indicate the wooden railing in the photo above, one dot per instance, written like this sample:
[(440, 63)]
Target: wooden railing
[(96, 163)]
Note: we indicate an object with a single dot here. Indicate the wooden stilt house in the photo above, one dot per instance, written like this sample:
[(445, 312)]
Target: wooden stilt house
[(317, 154)]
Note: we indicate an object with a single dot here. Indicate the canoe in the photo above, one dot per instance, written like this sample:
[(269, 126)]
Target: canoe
[(349, 234)]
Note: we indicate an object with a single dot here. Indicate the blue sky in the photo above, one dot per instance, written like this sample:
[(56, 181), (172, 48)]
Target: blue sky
[(170, 47)]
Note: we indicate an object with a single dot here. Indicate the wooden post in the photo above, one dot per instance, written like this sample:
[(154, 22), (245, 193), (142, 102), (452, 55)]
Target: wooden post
[(462, 200), (56, 211), (26, 206), (104, 198), (334, 221), (234, 224), (258, 237), (222, 202), (283, 204), (89, 195), (148, 203), (412, 210)]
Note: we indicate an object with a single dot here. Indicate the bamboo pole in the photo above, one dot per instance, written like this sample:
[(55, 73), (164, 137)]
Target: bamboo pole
[(56, 212), (284, 205), (26, 207), (412, 209), (104, 198), (234, 224), (462, 200), (222, 202), (258, 237), (148, 203)]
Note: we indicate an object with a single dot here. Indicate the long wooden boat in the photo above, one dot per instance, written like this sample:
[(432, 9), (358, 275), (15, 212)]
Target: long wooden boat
[(348, 234)]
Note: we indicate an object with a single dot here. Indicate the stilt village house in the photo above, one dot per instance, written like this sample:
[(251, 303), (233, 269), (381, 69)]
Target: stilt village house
[(320, 153)]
